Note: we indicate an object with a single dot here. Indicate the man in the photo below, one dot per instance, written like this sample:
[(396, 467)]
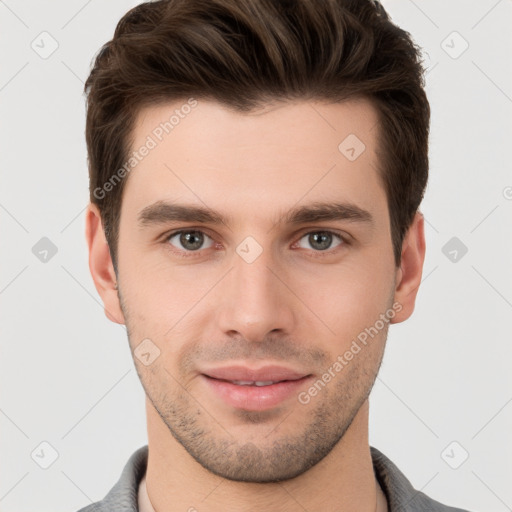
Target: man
[(256, 170)]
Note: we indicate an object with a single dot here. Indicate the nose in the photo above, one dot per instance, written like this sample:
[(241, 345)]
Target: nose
[(254, 299)]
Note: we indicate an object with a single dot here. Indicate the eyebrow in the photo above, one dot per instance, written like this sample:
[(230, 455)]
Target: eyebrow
[(162, 212)]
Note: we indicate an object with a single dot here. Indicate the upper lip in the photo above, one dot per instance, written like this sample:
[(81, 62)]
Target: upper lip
[(264, 374)]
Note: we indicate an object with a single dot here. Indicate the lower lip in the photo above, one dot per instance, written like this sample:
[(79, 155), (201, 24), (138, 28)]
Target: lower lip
[(255, 398)]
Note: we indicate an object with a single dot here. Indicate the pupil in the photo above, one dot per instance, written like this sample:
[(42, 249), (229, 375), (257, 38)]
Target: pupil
[(187, 240), (325, 237)]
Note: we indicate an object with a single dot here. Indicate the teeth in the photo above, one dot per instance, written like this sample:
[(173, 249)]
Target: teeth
[(253, 383)]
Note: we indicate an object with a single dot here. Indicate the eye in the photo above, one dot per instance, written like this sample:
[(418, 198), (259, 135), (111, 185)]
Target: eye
[(186, 242), (321, 240), (190, 241)]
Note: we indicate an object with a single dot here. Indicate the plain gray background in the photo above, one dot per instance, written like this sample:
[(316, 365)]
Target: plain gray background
[(67, 377)]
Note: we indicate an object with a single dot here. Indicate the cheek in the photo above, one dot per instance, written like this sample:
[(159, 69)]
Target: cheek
[(337, 300), (158, 295), (348, 299)]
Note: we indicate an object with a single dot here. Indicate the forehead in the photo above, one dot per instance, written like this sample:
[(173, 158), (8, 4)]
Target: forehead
[(281, 154)]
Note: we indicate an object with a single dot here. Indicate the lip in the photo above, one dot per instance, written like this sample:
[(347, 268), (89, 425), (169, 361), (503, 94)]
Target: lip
[(252, 397), (265, 373)]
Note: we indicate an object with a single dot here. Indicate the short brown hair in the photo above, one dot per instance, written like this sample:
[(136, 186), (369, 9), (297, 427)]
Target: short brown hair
[(245, 53)]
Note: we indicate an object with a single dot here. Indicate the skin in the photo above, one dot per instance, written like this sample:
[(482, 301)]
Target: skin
[(289, 306)]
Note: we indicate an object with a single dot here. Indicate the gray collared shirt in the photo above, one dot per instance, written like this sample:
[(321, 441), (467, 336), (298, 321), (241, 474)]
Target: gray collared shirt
[(400, 494)]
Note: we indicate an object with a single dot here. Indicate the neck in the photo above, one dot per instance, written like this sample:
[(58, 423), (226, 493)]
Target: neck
[(343, 480)]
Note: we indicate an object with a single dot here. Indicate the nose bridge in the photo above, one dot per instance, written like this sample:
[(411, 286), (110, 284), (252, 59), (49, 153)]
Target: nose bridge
[(252, 272), (254, 301)]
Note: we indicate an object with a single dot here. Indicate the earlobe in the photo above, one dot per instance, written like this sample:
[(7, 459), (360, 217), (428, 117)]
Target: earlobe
[(101, 266), (408, 277)]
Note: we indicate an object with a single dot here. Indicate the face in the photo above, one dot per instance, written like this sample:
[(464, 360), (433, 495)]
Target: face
[(250, 314)]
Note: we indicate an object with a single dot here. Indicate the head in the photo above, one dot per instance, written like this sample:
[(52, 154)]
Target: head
[(298, 131)]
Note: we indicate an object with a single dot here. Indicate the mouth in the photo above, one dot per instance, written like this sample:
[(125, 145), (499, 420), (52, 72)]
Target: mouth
[(255, 383), (254, 389)]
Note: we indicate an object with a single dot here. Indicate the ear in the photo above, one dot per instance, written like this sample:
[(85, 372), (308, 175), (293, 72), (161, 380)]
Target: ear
[(408, 276), (101, 266)]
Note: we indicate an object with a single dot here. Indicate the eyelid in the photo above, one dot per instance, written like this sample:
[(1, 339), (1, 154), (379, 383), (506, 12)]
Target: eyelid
[(172, 234), (343, 238)]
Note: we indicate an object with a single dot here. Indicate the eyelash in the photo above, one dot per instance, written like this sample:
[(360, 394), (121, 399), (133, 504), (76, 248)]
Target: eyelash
[(190, 254)]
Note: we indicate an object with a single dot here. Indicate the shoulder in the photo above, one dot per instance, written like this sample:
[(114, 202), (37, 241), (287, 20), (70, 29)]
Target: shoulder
[(123, 496), (399, 492)]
